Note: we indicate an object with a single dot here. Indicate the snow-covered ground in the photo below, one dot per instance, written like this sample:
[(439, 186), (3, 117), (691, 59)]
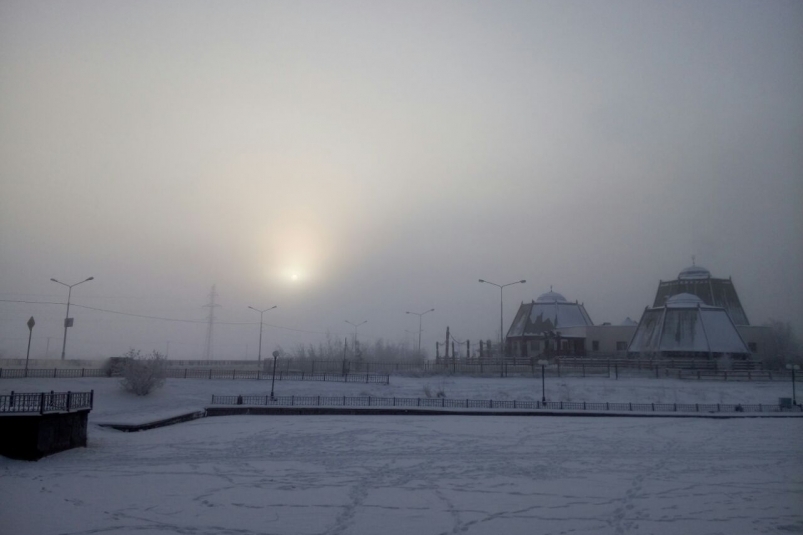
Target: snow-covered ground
[(364, 475)]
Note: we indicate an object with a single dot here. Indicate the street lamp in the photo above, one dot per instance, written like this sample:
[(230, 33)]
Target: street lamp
[(543, 364), (420, 314), (793, 367), (273, 381), (67, 319), (501, 306), (259, 356), (355, 325)]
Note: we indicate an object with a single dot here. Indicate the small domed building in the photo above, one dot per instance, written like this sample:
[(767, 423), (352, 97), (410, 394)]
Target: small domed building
[(538, 326), (684, 326)]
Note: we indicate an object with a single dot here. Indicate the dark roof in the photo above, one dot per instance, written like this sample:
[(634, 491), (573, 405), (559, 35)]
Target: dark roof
[(713, 292)]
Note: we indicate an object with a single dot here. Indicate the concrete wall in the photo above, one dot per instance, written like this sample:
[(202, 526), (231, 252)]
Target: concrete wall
[(32, 436), (755, 337), (606, 335)]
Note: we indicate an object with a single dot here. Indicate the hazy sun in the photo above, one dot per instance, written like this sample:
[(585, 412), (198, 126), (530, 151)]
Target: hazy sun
[(294, 276)]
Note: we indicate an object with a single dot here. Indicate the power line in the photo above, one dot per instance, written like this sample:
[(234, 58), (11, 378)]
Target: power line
[(160, 318)]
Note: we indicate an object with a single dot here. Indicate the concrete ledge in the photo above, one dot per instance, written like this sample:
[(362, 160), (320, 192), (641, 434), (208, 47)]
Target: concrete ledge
[(128, 428), (31, 436)]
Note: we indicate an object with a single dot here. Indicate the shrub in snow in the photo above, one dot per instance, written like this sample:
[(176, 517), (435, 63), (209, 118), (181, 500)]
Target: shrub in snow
[(142, 374)]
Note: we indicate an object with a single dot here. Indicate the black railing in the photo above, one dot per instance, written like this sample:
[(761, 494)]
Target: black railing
[(450, 403), (53, 373), (198, 373), (42, 402)]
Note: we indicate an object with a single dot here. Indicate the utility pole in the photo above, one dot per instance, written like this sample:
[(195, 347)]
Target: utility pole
[(211, 305)]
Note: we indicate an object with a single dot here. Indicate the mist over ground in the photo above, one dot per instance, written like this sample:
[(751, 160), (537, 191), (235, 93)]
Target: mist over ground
[(356, 160)]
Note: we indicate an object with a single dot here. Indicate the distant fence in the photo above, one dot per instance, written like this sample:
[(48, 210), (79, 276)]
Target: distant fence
[(53, 373), (197, 373), (370, 401), (560, 366), (44, 402), (608, 369)]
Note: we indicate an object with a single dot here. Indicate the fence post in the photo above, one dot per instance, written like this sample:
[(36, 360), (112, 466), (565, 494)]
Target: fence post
[(366, 378), (54, 372), (233, 372), (607, 406), (42, 403), (210, 373), (697, 407), (69, 396), (91, 398), (616, 369), (443, 402), (676, 407), (82, 372), (11, 402), (185, 373), (419, 402), (292, 400), (394, 401), (344, 401), (1, 373)]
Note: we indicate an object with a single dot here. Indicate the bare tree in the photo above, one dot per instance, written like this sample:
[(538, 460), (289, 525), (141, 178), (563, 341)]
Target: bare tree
[(142, 374)]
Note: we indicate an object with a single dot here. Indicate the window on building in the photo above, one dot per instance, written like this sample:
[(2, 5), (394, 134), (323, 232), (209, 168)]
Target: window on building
[(621, 346), (595, 345)]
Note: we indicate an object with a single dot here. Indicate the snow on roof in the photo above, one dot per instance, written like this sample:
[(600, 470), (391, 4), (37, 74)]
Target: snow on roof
[(629, 322), (684, 299), (694, 272), (550, 297), (540, 316), (687, 327)]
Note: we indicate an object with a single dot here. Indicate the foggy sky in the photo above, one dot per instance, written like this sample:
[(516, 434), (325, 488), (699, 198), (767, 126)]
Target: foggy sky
[(389, 154)]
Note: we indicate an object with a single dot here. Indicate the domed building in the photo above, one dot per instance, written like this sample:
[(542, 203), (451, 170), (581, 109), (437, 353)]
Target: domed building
[(684, 326), (539, 325), (696, 280)]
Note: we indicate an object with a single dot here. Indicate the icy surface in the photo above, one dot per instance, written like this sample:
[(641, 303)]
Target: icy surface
[(430, 475)]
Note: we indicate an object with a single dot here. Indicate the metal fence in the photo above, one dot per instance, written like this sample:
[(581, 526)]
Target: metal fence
[(370, 401), (196, 373), (56, 373), (43, 402)]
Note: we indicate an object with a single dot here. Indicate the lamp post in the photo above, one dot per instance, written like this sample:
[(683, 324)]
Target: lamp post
[(259, 356), (501, 307), (543, 364), (31, 323), (793, 367), (420, 314), (273, 380), (67, 319), (355, 325)]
